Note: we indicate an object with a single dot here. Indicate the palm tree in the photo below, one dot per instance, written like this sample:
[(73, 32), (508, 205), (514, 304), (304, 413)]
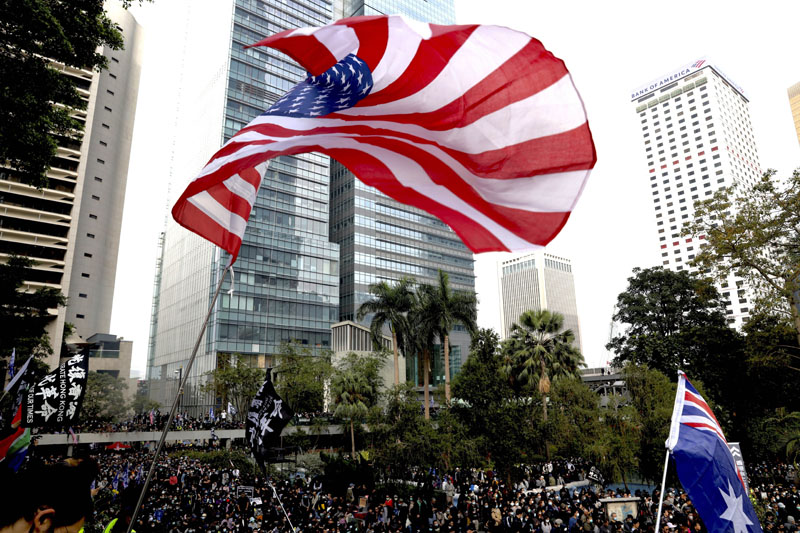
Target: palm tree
[(539, 352), (390, 304), (422, 328), (453, 307), (351, 392)]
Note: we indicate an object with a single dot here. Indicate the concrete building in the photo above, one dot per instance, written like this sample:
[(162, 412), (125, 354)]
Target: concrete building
[(287, 275), (794, 104), (697, 138), (70, 227), (109, 129), (534, 281), (109, 354), (350, 337), (381, 239)]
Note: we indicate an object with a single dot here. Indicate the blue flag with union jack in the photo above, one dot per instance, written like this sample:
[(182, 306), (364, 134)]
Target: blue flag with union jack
[(706, 466)]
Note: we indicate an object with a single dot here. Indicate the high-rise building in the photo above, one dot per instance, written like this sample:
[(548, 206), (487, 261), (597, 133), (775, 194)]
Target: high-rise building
[(697, 138), (285, 286), (381, 239), (535, 281), (70, 227), (104, 175), (794, 103)]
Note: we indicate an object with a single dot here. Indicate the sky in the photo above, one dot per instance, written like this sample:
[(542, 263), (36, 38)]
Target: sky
[(610, 49)]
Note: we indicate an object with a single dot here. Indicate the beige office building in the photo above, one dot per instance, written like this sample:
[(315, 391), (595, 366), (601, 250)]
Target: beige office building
[(71, 227), (109, 354), (794, 103), (535, 281)]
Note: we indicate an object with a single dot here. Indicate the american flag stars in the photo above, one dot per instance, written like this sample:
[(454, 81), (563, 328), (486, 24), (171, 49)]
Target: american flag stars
[(341, 87)]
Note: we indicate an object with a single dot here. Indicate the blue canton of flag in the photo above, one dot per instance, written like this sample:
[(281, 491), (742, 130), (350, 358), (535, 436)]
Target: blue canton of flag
[(706, 466), (341, 87)]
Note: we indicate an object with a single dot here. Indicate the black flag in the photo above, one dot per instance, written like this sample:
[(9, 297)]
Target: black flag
[(55, 400), (266, 418)]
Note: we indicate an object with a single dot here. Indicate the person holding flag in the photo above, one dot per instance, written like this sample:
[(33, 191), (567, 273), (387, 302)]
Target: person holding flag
[(705, 465)]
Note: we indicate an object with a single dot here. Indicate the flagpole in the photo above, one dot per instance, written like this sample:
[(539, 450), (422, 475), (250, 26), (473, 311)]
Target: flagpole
[(275, 492), (181, 385), (661, 495)]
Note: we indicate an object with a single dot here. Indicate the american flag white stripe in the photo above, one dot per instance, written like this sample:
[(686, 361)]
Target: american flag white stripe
[(401, 48), (506, 127), (486, 49), (218, 213), (479, 125), (554, 192)]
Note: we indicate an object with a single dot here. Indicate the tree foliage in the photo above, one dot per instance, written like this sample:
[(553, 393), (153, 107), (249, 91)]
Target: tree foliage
[(651, 396), (488, 408), (234, 382), (301, 377), (755, 232), (423, 326), (539, 352), (451, 307), (673, 321), (351, 392), (104, 400), (24, 315), (367, 366), (389, 305), (33, 35)]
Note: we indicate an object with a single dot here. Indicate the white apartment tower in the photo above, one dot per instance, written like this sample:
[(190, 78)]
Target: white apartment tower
[(697, 139), (534, 281)]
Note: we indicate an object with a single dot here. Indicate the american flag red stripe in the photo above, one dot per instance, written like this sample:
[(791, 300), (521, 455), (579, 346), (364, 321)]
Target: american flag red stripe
[(478, 125)]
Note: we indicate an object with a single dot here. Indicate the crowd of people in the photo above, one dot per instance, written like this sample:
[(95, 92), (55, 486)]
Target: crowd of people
[(182, 422), (188, 495)]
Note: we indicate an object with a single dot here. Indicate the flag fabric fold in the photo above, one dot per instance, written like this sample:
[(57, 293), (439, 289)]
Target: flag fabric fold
[(480, 126), (705, 465)]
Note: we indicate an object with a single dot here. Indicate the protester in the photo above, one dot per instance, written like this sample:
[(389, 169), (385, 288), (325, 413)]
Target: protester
[(46, 498)]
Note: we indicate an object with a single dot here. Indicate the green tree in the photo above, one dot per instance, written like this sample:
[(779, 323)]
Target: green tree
[(538, 352), (142, 403), (351, 394), (369, 367), (575, 421), (479, 390), (104, 399), (302, 377), (33, 35), (755, 232), (486, 404), (454, 307), (401, 436), (615, 451), (651, 396), (234, 382), (24, 314), (674, 321), (389, 305), (423, 326)]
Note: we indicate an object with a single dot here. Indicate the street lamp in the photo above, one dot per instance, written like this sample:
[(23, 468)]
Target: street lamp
[(180, 389)]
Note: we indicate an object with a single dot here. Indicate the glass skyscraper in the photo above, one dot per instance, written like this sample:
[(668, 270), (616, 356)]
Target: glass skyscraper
[(382, 239), (285, 282)]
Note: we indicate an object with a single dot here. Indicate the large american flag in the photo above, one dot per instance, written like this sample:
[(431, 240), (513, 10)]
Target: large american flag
[(477, 125), (706, 466)]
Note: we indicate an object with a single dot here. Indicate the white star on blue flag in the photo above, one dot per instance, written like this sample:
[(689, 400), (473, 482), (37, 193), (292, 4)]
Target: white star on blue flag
[(341, 87)]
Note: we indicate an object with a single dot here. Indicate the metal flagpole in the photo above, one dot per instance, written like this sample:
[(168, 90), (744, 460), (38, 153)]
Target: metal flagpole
[(661, 496), (174, 409), (275, 492)]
